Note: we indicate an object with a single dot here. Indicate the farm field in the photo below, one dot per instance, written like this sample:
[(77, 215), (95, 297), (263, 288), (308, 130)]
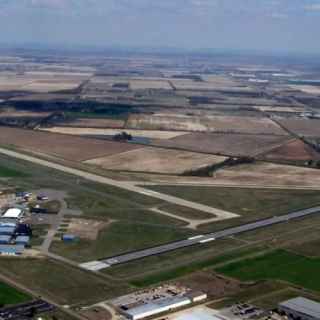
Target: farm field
[(93, 123), (307, 89), (302, 127), (226, 144), (268, 174), (295, 150), (41, 82), (277, 265), (10, 295), (22, 114), (226, 124), (61, 146), (152, 134), (158, 160), (149, 84)]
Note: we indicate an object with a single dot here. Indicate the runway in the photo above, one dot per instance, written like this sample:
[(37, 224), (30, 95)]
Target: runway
[(196, 240)]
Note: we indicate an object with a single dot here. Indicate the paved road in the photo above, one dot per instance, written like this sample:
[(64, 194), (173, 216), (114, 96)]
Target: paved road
[(220, 214), (197, 240)]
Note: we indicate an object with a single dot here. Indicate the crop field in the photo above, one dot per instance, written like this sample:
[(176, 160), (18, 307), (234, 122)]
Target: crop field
[(152, 134), (227, 144), (226, 124), (41, 82), (23, 114), (279, 109), (94, 123), (149, 84), (307, 89), (10, 295), (159, 160), (302, 127), (268, 174), (295, 150), (185, 84), (66, 285), (277, 265), (62, 146)]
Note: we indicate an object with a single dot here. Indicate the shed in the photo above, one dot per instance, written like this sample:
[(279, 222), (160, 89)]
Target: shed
[(68, 237)]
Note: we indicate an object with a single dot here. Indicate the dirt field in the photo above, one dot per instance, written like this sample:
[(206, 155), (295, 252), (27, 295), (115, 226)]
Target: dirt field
[(268, 174), (152, 134), (86, 229), (294, 150), (307, 89), (156, 160), (95, 123), (62, 146), (303, 127), (226, 124), (215, 286), (41, 81), (230, 144), (23, 114), (146, 84), (279, 109)]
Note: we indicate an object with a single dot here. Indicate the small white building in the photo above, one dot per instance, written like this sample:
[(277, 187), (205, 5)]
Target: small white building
[(13, 213)]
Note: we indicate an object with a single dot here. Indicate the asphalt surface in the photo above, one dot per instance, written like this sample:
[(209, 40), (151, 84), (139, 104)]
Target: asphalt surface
[(220, 214), (202, 239)]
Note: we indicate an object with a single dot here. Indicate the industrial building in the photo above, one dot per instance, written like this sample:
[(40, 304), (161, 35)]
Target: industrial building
[(11, 250), (164, 305), (5, 239), (13, 213), (7, 231), (22, 240), (154, 308), (300, 309)]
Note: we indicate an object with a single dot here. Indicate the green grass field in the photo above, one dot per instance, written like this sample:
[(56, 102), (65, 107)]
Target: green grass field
[(10, 295), (251, 204), (277, 265), (61, 283), (8, 172), (119, 237)]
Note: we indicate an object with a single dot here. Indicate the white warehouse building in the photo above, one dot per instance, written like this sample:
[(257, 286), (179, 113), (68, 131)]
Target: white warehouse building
[(154, 308)]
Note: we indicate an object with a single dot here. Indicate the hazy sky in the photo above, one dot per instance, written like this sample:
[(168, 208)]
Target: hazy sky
[(272, 25)]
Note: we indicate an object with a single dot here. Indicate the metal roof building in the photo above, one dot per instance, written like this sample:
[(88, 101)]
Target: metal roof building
[(300, 308), (157, 307), (23, 240), (11, 249), (7, 230), (5, 239), (13, 213)]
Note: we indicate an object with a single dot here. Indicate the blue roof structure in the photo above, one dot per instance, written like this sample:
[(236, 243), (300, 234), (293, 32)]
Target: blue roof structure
[(11, 249), (22, 239), (5, 239), (7, 230)]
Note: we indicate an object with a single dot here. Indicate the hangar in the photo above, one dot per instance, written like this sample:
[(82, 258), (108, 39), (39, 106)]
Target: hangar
[(300, 309)]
